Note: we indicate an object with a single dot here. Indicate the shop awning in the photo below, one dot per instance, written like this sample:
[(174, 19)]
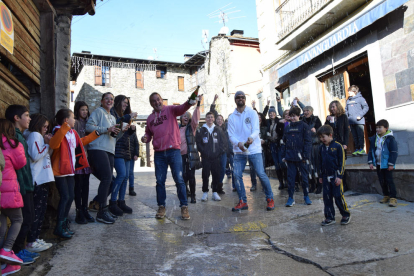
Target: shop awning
[(363, 20)]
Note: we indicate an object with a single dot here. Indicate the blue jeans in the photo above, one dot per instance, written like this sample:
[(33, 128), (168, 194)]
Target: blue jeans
[(277, 156), (131, 173), (122, 167), (223, 162), (256, 161), (231, 170), (293, 167), (161, 160), (253, 172)]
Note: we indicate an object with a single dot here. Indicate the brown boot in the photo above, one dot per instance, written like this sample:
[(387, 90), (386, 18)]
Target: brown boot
[(386, 199), (161, 212), (393, 202), (184, 213)]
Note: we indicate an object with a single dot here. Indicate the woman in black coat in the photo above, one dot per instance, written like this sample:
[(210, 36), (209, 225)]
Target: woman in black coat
[(339, 122)]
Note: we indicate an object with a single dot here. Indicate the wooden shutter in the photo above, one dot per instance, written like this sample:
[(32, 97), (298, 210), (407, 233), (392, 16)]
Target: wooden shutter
[(180, 83), (98, 75), (158, 73), (139, 83)]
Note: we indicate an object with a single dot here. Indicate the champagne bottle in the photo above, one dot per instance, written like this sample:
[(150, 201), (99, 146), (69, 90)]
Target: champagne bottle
[(195, 93), (246, 145)]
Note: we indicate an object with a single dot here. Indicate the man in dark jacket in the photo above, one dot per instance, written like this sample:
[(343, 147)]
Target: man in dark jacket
[(211, 144), (296, 152), (356, 108)]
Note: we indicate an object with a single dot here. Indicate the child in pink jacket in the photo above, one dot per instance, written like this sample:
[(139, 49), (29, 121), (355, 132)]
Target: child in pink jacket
[(11, 200)]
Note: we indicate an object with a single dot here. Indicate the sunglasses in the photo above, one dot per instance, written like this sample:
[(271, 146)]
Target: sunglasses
[(240, 97)]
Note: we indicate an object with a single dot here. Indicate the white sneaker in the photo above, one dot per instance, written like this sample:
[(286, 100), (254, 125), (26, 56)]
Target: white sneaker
[(216, 197), (204, 197), (36, 247), (44, 243)]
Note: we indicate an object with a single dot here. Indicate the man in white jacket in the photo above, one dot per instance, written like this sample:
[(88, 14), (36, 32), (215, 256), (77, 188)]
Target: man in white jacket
[(244, 130)]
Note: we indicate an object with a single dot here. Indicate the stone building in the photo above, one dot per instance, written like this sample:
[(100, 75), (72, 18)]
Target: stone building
[(34, 59), (230, 64), (315, 50)]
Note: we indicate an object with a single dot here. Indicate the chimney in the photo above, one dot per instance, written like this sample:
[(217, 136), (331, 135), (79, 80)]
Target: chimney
[(187, 57), (237, 33), (86, 52)]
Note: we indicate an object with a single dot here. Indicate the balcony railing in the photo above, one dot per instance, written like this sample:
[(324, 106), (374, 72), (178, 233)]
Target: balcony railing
[(292, 13)]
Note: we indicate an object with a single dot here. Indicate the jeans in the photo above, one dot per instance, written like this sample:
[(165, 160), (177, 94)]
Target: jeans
[(231, 169), (81, 190), (292, 170), (131, 173), (41, 192), (253, 172), (276, 152), (122, 167), (332, 192), (102, 164), (358, 135), (387, 182), (223, 162), (163, 159), (256, 161), (66, 188), (28, 217)]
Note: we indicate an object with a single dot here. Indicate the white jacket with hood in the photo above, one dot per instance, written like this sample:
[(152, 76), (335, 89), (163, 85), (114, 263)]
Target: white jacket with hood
[(39, 158)]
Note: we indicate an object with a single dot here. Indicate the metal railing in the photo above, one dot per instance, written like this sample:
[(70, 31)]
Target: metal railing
[(292, 13)]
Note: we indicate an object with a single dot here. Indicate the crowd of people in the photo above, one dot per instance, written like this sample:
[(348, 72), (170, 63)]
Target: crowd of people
[(38, 153)]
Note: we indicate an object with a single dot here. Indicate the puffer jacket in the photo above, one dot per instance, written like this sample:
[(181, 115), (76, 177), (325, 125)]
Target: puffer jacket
[(134, 144), (24, 175), (15, 159), (123, 147), (356, 106), (389, 150), (297, 141), (2, 164)]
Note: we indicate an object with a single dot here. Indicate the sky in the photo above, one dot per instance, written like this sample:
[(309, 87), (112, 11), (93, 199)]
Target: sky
[(133, 28)]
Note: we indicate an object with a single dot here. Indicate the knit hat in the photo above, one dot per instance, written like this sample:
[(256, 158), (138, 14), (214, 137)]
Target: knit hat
[(238, 93), (272, 109)]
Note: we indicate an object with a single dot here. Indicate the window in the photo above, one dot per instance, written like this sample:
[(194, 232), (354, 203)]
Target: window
[(161, 72), (165, 101), (180, 83), (139, 79), (71, 96), (106, 76)]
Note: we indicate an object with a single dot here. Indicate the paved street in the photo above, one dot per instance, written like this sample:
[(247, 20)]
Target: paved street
[(216, 241)]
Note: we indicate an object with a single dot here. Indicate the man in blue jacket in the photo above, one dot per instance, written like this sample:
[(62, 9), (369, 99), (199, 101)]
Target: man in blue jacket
[(296, 153), (356, 108)]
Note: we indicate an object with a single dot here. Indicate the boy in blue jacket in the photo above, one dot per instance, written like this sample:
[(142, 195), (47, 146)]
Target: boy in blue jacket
[(296, 153), (355, 109), (382, 154), (332, 166)]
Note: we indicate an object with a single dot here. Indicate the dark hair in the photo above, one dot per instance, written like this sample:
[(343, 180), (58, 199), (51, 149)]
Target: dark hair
[(77, 108), (263, 123), (383, 123), (61, 115), (8, 130), (106, 93), (15, 109), (294, 111), (154, 93), (324, 130), (210, 113), (220, 116), (37, 122), (118, 105)]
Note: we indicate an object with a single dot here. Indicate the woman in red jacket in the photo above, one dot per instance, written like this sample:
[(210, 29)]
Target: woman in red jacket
[(11, 200)]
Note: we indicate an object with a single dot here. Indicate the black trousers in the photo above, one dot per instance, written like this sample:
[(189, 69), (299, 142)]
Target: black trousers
[(40, 195), (81, 190), (66, 188), (211, 167), (28, 217), (358, 135), (332, 193), (387, 182), (102, 164), (188, 174)]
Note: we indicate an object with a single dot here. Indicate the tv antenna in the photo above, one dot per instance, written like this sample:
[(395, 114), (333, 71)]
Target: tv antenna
[(223, 14)]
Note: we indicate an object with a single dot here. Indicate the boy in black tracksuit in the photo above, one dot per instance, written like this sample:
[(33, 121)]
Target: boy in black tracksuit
[(332, 164), (296, 153), (211, 144)]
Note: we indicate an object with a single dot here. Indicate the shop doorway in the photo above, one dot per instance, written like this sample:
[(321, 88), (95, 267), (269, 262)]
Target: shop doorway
[(335, 87)]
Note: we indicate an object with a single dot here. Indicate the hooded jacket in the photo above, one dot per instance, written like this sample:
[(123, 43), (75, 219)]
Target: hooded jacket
[(61, 158), (356, 106), (40, 164), (162, 127), (332, 160), (10, 190), (389, 151), (297, 140), (24, 175), (210, 145)]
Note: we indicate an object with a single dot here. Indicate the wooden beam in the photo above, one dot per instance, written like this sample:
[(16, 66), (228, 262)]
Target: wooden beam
[(13, 82)]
